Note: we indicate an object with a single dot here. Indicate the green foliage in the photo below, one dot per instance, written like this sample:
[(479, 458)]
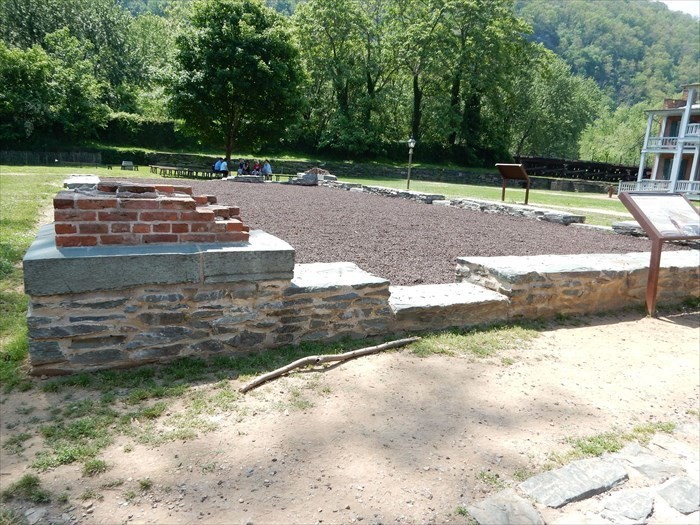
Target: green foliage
[(238, 73), (27, 488), (94, 467), (129, 129), (634, 50), (27, 99), (550, 108), (102, 23), (617, 136)]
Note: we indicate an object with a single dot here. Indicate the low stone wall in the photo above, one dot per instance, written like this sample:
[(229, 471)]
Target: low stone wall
[(547, 285), (516, 210), (93, 308)]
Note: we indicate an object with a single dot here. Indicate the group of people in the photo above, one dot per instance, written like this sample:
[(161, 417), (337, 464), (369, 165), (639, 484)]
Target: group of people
[(221, 167), (245, 168)]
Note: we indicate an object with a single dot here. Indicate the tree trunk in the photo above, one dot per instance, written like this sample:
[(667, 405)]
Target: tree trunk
[(471, 120), (417, 104), (229, 143), (454, 105)]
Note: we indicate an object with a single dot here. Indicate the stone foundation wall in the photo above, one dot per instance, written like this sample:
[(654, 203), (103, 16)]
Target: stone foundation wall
[(547, 285), (238, 299)]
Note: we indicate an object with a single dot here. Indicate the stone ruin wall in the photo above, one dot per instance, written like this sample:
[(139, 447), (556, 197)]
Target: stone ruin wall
[(95, 304), (134, 273), (116, 213), (145, 324)]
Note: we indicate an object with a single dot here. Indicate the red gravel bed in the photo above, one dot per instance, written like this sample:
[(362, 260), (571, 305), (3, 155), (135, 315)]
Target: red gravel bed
[(404, 241)]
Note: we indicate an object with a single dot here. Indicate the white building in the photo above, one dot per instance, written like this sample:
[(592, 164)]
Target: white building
[(672, 140)]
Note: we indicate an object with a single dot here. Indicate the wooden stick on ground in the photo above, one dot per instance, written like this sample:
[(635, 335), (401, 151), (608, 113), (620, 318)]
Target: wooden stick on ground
[(318, 359)]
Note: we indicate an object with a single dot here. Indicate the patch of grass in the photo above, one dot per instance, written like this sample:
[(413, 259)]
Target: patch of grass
[(461, 510), (479, 342), (522, 474), (91, 494), (79, 439), (27, 488), (11, 517), (145, 484), (491, 479), (608, 442), (94, 467), (15, 444), (593, 446), (24, 411), (113, 483), (130, 495), (644, 433)]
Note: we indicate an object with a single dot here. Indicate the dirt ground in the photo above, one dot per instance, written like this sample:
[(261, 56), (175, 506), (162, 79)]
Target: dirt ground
[(387, 438)]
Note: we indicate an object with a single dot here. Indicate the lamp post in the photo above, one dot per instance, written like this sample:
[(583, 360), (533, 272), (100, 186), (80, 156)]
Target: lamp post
[(411, 145)]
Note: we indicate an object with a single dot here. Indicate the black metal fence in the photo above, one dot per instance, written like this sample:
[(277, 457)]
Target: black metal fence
[(51, 158)]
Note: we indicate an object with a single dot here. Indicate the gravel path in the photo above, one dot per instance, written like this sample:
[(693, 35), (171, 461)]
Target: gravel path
[(406, 242)]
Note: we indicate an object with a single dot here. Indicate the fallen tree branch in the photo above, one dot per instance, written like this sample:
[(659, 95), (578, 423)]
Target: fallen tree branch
[(318, 359)]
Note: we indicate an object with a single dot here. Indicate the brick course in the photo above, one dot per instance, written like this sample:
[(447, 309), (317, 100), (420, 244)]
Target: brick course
[(130, 213)]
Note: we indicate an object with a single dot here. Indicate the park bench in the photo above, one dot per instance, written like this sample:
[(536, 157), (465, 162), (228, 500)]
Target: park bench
[(189, 173)]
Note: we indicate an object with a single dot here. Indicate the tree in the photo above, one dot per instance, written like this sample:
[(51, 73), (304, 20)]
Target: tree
[(103, 23), (25, 98), (351, 65), (551, 108), (49, 92), (238, 72), (617, 136)]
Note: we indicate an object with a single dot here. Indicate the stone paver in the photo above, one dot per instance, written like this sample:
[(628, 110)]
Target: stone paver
[(576, 481), (505, 508), (682, 494), (628, 506), (653, 484)]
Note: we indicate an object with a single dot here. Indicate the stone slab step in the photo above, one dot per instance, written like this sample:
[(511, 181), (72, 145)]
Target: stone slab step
[(440, 306), (574, 482)]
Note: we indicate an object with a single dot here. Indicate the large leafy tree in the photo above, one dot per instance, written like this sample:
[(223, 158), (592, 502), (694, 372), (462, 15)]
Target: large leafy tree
[(352, 66), (102, 23), (238, 72), (551, 107), (25, 98)]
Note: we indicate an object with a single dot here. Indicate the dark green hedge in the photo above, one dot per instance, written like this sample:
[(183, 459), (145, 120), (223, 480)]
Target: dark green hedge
[(127, 129)]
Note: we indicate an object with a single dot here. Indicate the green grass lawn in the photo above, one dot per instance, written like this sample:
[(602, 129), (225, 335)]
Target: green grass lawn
[(25, 192)]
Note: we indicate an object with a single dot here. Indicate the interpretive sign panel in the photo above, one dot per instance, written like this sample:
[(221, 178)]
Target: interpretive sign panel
[(514, 172), (668, 216), (664, 217)]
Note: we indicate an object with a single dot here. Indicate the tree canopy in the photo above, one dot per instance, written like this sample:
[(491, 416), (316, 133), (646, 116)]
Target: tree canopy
[(474, 81), (237, 72)]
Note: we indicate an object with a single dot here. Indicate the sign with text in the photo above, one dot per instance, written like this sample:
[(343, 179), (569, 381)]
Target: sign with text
[(664, 217), (513, 172)]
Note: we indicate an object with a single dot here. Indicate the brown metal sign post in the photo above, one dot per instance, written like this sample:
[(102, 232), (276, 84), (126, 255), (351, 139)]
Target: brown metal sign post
[(514, 172), (664, 217)]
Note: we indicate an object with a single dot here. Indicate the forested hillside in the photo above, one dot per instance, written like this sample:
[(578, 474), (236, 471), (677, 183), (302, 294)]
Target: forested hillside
[(473, 81), (634, 50)]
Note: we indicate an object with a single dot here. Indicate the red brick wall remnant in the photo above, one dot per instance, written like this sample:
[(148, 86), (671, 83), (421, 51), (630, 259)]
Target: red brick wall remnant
[(127, 213)]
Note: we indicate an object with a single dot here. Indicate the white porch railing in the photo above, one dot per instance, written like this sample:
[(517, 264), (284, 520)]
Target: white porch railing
[(688, 186), (645, 185), (682, 186), (693, 130), (662, 142)]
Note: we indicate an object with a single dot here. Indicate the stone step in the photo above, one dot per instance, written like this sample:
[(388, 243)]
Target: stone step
[(441, 306)]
